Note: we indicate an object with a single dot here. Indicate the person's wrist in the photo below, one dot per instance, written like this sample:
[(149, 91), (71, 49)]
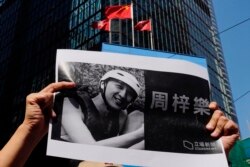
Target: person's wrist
[(33, 133)]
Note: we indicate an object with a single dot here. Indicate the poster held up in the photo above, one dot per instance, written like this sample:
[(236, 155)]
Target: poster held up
[(174, 96)]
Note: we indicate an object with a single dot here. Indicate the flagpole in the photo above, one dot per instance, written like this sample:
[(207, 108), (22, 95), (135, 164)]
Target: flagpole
[(132, 24), (151, 33), (110, 33)]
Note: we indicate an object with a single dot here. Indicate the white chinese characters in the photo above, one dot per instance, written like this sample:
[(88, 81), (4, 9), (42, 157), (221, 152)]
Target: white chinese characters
[(160, 100), (181, 102), (200, 106)]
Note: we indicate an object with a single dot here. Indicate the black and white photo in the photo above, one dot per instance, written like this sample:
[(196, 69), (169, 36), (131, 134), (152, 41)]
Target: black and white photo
[(106, 107)]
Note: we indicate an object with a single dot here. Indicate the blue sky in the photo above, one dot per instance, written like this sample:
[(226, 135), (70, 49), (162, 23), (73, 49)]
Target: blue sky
[(236, 47)]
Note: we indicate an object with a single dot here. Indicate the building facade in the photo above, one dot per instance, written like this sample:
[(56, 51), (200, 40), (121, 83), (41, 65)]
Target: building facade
[(32, 30)]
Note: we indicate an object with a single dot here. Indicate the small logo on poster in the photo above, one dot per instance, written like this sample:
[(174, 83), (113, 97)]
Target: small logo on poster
[(199, 145), (188, 145)]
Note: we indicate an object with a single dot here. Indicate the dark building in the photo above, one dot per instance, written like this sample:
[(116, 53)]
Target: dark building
[(32, 30)]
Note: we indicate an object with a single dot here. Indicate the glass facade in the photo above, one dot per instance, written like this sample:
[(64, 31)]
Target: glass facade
[(187, 27), (32, 30), (30, 33)]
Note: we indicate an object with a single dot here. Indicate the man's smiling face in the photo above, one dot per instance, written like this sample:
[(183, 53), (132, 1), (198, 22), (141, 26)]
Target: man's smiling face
[(118, 94)]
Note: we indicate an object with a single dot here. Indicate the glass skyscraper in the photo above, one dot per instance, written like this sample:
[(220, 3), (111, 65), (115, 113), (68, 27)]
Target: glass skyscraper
[(32, 30)]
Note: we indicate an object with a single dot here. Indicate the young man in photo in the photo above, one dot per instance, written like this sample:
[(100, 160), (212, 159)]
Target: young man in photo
[(103, 119)]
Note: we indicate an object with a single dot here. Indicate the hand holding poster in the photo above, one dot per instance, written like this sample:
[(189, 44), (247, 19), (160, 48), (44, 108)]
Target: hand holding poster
[(139, 110)]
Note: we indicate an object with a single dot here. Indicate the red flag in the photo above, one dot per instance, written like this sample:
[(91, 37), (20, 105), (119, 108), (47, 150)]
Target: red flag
[(144, 25), (118, 12), (101, 25)]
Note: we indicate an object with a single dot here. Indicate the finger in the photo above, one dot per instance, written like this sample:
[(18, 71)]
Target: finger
[(211, 125), (213, 106), (54, 87), (219, 130), (231, 128), (53, 114), (48, 108)]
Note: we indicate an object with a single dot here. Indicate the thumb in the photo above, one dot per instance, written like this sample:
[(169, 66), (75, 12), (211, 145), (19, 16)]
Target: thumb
[(228, 142)]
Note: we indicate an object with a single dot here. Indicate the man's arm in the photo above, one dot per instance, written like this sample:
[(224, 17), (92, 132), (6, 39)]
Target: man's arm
[(34, 127), (78, 132)]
